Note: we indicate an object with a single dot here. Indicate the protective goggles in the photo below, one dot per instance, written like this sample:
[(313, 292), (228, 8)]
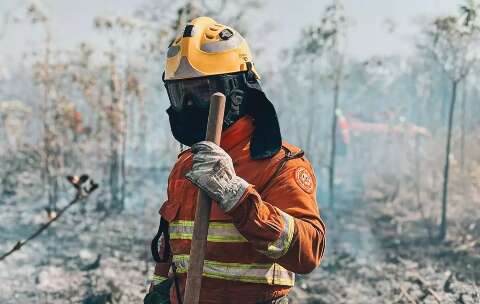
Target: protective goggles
[(197, 91)]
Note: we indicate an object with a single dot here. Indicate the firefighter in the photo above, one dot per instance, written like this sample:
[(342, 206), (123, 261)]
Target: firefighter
[(264, 224)]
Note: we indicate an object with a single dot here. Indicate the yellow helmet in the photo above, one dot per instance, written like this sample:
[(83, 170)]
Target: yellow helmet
[(207, 48)]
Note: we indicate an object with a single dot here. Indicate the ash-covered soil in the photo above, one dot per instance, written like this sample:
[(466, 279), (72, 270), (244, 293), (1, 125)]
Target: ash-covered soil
[(90, 256), (370, 259)]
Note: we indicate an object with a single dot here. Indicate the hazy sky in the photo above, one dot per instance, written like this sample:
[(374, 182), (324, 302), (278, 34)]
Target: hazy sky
[(72, 23)]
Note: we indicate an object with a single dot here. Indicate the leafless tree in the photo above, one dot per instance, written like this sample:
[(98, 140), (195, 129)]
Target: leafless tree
[(323, 45), (451, 41)]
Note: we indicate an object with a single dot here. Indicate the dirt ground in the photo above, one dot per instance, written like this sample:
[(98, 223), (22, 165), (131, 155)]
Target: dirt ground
[(93, 258), (369, 260)]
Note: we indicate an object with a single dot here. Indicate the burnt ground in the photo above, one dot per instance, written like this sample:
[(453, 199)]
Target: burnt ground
[(103, 258), (372, 259)]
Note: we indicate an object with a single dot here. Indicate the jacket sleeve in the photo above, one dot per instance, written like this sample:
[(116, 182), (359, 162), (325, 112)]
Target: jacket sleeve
[(284, 223)]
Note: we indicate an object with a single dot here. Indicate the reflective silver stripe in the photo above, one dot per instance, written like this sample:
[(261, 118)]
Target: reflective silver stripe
[(217, 232), (173, 51), (185, 70), (279, 247), (223, 45), (272, 273)]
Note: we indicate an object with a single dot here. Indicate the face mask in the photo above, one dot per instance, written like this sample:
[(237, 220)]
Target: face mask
[(188, 125)]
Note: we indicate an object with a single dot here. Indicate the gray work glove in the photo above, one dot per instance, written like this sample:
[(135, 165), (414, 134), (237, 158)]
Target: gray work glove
[(213, 172)]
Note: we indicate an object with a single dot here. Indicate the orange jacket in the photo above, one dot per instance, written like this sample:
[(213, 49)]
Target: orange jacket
[(273, 232)]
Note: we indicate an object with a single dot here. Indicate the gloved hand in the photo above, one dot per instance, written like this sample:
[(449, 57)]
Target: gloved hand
[(213, 172)]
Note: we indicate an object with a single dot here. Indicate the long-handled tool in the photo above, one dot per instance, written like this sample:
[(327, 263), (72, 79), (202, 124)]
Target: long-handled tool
[(202, 215)]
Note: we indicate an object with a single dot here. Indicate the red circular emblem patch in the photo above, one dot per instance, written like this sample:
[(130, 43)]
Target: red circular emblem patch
[(304, 179)]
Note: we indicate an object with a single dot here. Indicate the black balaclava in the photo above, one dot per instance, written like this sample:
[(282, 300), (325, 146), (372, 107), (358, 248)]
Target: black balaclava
[(189, 124)]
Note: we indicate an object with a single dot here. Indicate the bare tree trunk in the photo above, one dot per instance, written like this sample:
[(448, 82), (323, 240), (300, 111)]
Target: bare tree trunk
[(117, 137), (114, 174), (418, 188), (443, 223), (114, 149), (143, 127), (311, 111), (333, 146), (462, 127), (122, 162), (48, 176), (311, 122)]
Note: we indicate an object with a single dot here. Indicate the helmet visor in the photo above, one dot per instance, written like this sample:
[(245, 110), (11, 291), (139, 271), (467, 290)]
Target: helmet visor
[(197, 91)]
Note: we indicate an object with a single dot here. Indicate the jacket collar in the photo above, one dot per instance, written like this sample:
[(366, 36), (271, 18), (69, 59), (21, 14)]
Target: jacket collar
[(239, 132)]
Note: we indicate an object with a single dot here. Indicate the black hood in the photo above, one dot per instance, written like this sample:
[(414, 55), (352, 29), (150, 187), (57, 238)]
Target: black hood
[(266, 139)]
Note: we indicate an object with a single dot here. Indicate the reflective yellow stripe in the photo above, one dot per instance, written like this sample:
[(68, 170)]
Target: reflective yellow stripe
[(158, 279), (217, 232), (279, 247), (272, 273)]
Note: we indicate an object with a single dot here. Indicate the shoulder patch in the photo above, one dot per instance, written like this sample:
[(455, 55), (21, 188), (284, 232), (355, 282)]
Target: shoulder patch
[(304, 179)]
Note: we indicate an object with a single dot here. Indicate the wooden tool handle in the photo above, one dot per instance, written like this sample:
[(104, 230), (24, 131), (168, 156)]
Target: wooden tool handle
[(202, 215)]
